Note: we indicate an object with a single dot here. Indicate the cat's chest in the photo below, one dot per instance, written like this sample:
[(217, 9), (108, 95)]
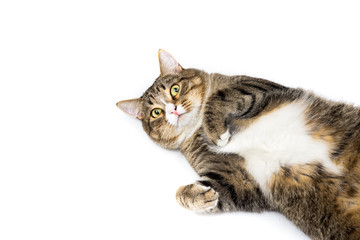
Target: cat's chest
[(279, 138)]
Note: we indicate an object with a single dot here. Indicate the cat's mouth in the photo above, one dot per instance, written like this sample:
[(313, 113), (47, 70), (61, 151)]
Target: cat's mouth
[(177, 119), (182, 114), (175, 114), (180, 117)]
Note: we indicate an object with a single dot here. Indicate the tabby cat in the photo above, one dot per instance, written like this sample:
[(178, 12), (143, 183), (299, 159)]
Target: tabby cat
[(258, 146)]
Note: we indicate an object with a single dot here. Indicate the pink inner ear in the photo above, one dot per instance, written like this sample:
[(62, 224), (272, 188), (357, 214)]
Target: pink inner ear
[(131, 107), (168, 64)]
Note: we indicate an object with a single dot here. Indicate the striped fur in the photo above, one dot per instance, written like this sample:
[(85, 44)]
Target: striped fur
[(322, 202)]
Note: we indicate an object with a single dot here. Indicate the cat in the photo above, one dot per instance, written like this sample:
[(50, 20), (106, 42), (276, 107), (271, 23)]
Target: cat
[(258, 146)]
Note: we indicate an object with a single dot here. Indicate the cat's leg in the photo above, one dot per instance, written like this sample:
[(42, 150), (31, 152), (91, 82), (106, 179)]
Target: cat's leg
[(216, 122), (211, 195), (226, 176), (224, 185), (228, 109), (323, 205)]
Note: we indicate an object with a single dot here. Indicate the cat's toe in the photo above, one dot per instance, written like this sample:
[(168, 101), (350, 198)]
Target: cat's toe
[(206, 198), (197, 197), (210, 200), (224, 139)]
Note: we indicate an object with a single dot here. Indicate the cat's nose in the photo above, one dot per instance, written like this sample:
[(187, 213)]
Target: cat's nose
[(174, 111), (171, 109)]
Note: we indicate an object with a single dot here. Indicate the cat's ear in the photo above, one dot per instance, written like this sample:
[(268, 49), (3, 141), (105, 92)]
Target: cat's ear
[(168, 64), (133, 107)]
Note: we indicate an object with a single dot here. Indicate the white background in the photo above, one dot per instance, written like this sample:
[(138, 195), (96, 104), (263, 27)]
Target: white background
[(72, 166)]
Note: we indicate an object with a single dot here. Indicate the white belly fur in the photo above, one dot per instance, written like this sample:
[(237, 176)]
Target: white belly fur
[(277, 139)]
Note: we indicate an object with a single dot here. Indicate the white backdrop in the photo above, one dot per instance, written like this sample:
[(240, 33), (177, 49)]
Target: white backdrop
[(72, 166)]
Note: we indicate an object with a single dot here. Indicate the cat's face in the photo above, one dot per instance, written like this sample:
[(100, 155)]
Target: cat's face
[(171, 108)]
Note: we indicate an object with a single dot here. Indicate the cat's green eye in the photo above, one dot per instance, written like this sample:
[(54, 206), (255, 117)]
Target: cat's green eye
[(156, 112), (174, 90)]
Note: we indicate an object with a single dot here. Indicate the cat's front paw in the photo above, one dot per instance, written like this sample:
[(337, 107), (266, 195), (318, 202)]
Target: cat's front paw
[(218, 139), (224, 139), (197, 197)]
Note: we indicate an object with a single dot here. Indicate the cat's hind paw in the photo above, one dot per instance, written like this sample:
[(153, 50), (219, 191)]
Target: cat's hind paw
[(197, 197)]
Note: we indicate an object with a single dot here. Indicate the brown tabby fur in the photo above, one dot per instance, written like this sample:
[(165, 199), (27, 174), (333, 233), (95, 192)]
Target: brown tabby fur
[(322, 204)]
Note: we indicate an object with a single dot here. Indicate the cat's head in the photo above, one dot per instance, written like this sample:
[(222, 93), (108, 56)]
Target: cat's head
[(170, 110)]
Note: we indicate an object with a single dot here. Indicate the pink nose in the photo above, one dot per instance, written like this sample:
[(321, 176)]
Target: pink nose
[(173, 111)]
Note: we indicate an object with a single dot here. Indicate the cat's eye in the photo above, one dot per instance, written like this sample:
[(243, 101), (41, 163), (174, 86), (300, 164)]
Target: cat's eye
[(156, 112), (174, 90)]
